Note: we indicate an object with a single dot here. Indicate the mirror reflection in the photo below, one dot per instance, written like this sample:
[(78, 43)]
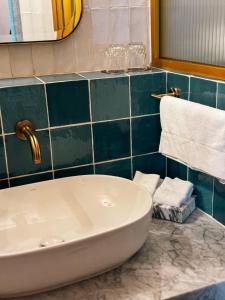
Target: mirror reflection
[(38, 20)]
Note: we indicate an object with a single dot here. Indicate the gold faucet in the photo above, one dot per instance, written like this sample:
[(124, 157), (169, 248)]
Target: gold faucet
[(25, 131)]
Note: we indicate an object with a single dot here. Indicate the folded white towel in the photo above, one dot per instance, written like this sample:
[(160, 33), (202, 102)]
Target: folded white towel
[(173, 192), (193, 134), (149, 181), (168, 197)]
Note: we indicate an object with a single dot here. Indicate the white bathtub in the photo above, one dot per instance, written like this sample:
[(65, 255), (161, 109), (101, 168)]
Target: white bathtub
[(62, 231)]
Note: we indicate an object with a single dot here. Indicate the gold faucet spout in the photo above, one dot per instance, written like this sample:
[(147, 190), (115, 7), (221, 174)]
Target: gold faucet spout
[(25, 131)]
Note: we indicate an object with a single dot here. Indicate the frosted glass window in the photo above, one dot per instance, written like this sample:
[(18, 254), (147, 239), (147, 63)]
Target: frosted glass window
[(193, 30)]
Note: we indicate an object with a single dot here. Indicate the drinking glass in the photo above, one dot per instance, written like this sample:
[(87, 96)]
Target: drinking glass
[(116, 58), (137, 56)]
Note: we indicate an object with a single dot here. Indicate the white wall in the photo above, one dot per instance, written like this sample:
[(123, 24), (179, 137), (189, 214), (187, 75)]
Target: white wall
[(36, 20), (4, 21), (104, 22)]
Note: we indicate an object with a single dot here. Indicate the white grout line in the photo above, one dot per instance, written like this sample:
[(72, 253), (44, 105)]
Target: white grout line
[(92, 134), (19, 85), (69, 125), (49, 131), (204, 78), (213, 192), (61, 81), (31, 174), (73, 167), (180, 74), (189, 89), (145, 154), (39, 79), (217, 88), (80, 166), (82, 76), (188, 171), (131, 129), (5, 152), (90, 123), (166, 89), (113, 160)]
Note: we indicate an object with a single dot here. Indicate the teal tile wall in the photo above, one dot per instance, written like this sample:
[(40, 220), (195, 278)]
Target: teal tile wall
[(88, 123), (209, 191), (95, 123)]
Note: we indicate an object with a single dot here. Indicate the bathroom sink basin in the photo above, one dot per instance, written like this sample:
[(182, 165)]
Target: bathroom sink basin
[(62, 231)]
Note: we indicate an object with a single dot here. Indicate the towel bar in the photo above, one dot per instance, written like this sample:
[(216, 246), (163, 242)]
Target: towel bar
[(174, 92)]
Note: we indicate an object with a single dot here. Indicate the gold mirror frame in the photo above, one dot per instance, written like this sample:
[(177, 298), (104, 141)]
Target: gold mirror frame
[(177, 65), (62, 16)]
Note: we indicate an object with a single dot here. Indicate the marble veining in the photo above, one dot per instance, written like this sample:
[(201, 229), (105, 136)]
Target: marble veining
[(178, 261)]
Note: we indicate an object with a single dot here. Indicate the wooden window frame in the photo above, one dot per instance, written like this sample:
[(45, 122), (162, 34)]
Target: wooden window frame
[(178, 65)]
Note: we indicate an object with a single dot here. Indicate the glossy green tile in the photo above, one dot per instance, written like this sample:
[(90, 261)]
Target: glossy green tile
[(86, 170), (178, 81), (60, 78), (19, 82), (23, 103), (111, 140), (204, 190), (219, 202), (176, 169), (3, 173), (120, 168), (150, 164), (4, 184), (68, 102), (147, 72), (110, 98), (221, 96), (19, 155), (146, 134), (31, 179), (71, 146), (203, 91), (101, 75), (142, 86)]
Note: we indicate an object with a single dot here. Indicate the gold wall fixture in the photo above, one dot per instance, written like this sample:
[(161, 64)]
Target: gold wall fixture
[(173, 92), (25, 131)]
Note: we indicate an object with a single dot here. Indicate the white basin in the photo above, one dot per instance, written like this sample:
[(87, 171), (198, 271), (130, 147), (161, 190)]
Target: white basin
[(62, 231)]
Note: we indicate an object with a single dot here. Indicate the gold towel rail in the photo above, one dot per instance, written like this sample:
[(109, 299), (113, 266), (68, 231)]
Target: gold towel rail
[(174, 92)]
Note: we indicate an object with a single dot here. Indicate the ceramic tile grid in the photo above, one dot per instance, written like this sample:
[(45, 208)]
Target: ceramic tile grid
[(84, 125), (119, 134), (210, 192)]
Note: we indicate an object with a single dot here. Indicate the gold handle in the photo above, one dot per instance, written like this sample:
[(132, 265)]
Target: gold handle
[(25, 131), (174, 92)]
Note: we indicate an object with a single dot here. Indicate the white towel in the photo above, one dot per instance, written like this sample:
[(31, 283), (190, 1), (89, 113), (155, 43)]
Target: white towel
[(178, 185), (149, 181), (173, 192), (194, 135)]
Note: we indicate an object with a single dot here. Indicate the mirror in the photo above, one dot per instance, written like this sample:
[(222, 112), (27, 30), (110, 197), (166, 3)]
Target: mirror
[(38, 20)]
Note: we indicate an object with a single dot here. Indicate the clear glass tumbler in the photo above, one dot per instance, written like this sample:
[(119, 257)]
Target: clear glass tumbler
[(137, 57), (116, 59)]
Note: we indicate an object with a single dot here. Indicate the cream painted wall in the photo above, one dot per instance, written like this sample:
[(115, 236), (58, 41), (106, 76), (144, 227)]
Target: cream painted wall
[(104, 22)]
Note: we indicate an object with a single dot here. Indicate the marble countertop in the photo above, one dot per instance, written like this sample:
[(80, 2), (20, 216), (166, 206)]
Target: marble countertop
[(177, 262)]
